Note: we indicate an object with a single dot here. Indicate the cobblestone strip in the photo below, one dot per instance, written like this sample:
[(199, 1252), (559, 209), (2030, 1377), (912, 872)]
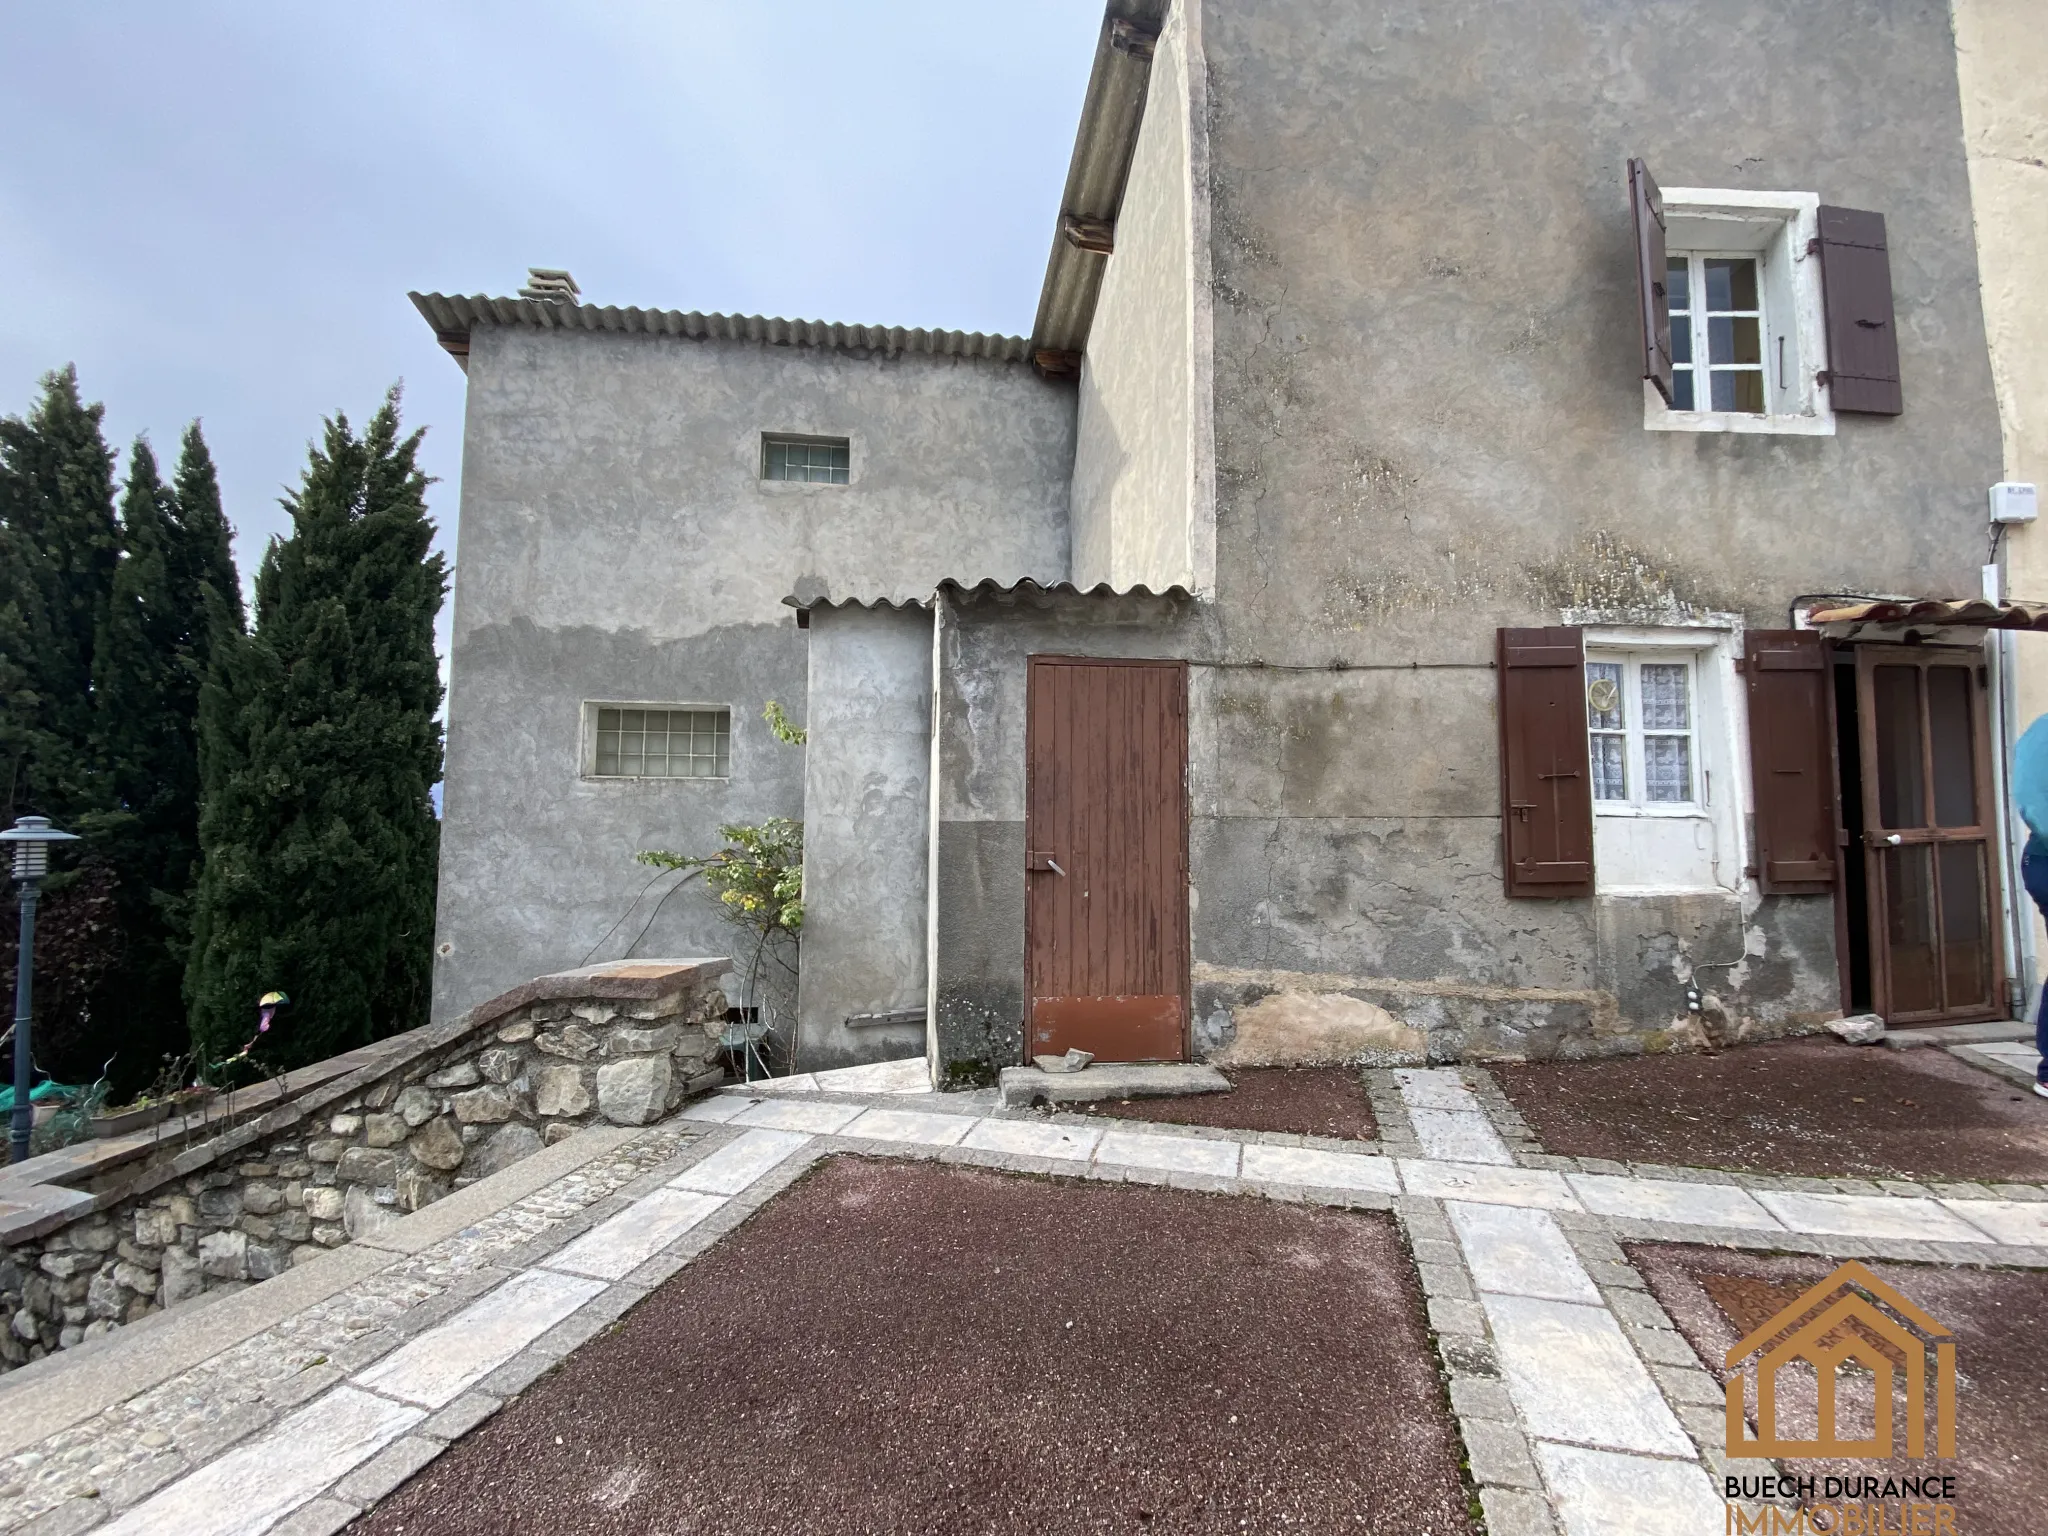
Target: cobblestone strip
[(1508, 1123), (1397, 1132), (103, 1465)]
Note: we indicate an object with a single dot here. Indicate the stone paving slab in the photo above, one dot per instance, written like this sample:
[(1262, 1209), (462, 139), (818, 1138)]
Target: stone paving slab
[(2007, 1221), (1574, 1377), (1868, 1216), (1453, 1137), (1025, 1138), (445, 1362), (1313, 1169), (817, 1115), (1442, 1088), (247, 1490), (621, 1245), (909, 1125), (1517, 1251), (1599, 1493), (1170, 1154), (739, 1162), (1491, 1186), (1708, 1205)]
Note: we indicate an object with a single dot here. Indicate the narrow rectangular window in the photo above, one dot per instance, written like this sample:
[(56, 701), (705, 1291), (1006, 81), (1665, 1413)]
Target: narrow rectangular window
[(1641, 728), (815, 460), (663, 743), (1717, 334)]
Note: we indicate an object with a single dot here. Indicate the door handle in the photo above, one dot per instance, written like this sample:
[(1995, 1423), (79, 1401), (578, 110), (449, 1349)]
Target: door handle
[(1040, 863)]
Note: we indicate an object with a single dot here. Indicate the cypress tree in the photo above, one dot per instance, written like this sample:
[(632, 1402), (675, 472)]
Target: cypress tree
[(57, 507), (318, 747)]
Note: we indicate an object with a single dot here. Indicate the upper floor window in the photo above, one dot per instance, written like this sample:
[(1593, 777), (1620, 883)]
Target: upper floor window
[(1640, 716), (633, 742), (817, 460), (1718, 326)]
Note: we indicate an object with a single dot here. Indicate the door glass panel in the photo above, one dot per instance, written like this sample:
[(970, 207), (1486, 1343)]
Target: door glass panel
[(1965, 924), (1901, 775), (1953, 744), (1910, 949)]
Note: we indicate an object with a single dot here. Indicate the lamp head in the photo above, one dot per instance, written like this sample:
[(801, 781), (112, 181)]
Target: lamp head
[(31, 837)]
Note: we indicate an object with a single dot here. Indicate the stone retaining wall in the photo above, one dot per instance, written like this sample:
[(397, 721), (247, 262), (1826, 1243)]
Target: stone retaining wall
[(449, 1104)]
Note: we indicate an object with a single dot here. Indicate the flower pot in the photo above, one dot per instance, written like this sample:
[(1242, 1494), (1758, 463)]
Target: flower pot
[(119, 1122)]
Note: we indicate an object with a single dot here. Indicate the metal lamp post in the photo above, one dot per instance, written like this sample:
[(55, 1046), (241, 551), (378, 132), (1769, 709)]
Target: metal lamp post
[(31, 837)]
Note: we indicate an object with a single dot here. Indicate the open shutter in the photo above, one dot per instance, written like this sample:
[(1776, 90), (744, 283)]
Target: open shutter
[(1652, 276), (1863, 338), (1792, 761), (1545, 777)]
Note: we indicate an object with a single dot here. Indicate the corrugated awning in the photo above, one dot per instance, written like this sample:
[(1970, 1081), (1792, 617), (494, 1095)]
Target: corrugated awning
[(1955, 613)]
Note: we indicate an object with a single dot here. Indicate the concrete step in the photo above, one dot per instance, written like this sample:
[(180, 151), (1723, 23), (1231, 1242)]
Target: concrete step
[(1021, 1087), (1959, 1034)]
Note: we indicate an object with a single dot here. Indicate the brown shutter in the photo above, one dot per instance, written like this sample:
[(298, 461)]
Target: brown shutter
[(1791, 761), (1652, 276), (1863, 340), (1545, 778)]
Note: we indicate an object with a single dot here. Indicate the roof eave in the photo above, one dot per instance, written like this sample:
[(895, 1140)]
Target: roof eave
[(1084, 235)]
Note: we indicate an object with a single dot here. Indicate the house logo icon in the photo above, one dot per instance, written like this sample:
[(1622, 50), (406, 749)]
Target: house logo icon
[(1850, 1316)]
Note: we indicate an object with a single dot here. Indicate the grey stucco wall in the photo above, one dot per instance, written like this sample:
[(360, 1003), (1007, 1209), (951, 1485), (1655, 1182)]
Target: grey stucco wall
[(867, 811), (1429, 424), (1134, 486), (616, 543)]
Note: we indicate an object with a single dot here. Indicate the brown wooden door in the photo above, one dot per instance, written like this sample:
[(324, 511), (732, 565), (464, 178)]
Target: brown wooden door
[(1106, 829), (1929, 827)]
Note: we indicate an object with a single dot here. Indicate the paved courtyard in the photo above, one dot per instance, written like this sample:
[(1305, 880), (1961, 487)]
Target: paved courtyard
[(1581, 1405)]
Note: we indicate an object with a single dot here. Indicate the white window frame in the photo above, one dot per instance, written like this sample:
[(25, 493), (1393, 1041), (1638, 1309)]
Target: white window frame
[(1634, 770), (1778, 230), (1720, 747), (586, 751)]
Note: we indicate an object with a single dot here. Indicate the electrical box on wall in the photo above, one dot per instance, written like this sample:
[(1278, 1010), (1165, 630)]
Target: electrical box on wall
[(2014, 501)]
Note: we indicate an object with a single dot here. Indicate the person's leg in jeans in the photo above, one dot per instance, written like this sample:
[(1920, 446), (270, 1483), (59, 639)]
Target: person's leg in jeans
[(2034, 875)]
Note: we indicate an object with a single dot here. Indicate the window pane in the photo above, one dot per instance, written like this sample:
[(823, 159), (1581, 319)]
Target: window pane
[(1681, 339), (1610, 775), (1901, 776), (1953, 745), (1681, 390), (607, 719), (824, 463), (670, 743), (1734, 339), (1731, 283), (1667, 768), (1738, 389), (1678, 282), (1666, 706), (1965, 925), (1910, 948), (1603, 695)]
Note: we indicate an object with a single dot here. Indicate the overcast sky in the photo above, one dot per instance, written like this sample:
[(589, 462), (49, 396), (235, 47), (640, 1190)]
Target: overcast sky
[(217, 210)]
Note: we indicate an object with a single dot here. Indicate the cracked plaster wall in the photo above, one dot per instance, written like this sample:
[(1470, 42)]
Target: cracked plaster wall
[(617, 543)]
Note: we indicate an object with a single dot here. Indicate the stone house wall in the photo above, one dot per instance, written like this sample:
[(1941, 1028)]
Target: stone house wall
[(450, 1104)]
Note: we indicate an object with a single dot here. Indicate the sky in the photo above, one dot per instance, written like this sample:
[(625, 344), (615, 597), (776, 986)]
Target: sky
[(216, 210)]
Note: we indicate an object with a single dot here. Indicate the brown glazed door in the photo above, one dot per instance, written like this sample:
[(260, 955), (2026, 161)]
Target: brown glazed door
[(1928, 834), (1106, 833)]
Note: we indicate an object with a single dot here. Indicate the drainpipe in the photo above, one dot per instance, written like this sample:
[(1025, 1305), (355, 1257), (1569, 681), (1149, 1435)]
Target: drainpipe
[(2016, 913)]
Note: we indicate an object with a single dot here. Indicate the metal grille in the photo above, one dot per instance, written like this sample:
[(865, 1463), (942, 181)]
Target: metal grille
[(819, 461), (664, 743)]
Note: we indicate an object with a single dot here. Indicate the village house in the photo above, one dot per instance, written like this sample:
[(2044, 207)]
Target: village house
[(1482, 554)]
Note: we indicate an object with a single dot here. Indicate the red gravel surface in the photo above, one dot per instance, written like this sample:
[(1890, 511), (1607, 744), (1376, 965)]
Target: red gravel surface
[(1309, 1101), (1796, 1107), (1716, 1295), (895, 1347)]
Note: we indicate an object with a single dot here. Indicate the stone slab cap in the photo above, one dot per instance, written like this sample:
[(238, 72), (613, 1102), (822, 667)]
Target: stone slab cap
[(1021, 1087), (1959, 1034), (625, 981)]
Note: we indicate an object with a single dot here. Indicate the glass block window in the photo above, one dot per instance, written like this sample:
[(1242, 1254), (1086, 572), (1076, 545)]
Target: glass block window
[(1717, 334), (818, 460), (1641, 731), (663, 743)]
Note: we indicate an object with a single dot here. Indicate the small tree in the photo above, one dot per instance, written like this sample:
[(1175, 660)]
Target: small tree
[(758, 877)]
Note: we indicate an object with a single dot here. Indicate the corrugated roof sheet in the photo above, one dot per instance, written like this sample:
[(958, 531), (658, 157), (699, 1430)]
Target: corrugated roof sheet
[(1025, 588), (1961, 613), (453, 317)]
